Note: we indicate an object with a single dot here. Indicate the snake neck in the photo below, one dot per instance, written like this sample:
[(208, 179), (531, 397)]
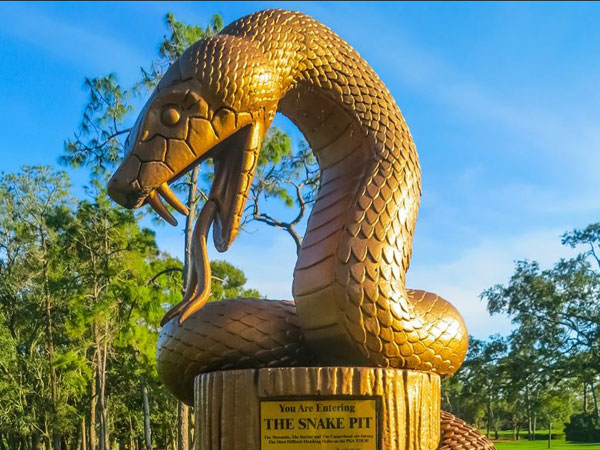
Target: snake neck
[(349, 277)]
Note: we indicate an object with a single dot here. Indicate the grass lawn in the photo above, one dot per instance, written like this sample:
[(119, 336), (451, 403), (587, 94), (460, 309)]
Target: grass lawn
[(541, 441), (557, 444)]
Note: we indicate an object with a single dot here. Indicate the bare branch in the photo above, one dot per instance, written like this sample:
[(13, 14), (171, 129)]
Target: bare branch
[(164, 272)]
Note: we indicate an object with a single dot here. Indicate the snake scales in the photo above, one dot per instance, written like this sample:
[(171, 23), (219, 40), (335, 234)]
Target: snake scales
[(351, 305)]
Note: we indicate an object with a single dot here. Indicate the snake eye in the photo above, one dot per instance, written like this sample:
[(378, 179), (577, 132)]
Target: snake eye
[(170, 116)]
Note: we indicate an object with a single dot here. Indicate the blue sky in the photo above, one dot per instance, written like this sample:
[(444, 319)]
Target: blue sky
[(502, 100)]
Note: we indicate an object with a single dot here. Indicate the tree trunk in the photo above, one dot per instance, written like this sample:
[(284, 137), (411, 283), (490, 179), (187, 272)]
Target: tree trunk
[(182, 426), (182, 409), (45, 436), (93, 403), (585, 400), (53, 379), (102, 417), (595, 399), (549, 433), (147, 431), (50, 343), (131, 443), (192, 428), (101, 354), (103, 401), (83, 436), (529, 421), (173, 438), (189, 223), (489, 417), (534, 425), (78, 440)]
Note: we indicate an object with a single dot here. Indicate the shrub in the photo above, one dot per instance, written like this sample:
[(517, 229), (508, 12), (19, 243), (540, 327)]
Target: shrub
[(583, 427)]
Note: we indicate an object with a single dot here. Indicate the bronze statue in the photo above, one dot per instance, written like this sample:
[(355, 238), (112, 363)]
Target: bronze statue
[(351, 305)]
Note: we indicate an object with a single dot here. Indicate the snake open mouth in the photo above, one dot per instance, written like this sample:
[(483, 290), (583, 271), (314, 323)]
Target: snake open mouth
[(155, 162), (235, 160), (154, 200)]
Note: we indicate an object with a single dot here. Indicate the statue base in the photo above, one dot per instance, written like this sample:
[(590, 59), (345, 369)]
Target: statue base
[(306, 408)]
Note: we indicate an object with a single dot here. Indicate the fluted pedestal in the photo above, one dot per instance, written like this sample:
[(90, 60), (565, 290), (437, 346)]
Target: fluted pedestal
[(342, 408)]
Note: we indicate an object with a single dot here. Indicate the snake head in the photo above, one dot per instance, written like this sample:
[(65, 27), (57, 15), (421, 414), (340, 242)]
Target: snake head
[(216, 101)]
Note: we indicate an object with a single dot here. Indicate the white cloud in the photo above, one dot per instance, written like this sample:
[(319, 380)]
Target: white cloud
[(267, 257), (488, 262)]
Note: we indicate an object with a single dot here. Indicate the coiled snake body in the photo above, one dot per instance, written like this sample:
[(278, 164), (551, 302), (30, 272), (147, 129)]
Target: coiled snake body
[(351, 305)]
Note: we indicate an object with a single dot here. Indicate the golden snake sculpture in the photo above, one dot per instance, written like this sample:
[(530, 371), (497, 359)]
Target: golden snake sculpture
[(351, 305)]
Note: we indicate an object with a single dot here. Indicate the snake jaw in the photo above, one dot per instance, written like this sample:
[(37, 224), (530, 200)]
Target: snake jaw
[(233, 140), (235, 164), (193, 115), (175, 132)]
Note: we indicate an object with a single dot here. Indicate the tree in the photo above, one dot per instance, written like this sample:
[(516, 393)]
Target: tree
[(555, 407), (474, 391), (34, 203), (82, 273), (589, 237), (559, 310), (557, 339), (132, 376), (100, 140), (229, 282), (288, 175), (111, 254)]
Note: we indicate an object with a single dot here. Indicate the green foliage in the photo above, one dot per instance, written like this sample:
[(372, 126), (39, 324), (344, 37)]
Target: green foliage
[(172, 47), (32, 305), (554, 350), (183, 35), (228, 282), (589, 237), (98, 145), (583, 428), (557, 309), (83, 275), (474, 392), (554, 405)]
